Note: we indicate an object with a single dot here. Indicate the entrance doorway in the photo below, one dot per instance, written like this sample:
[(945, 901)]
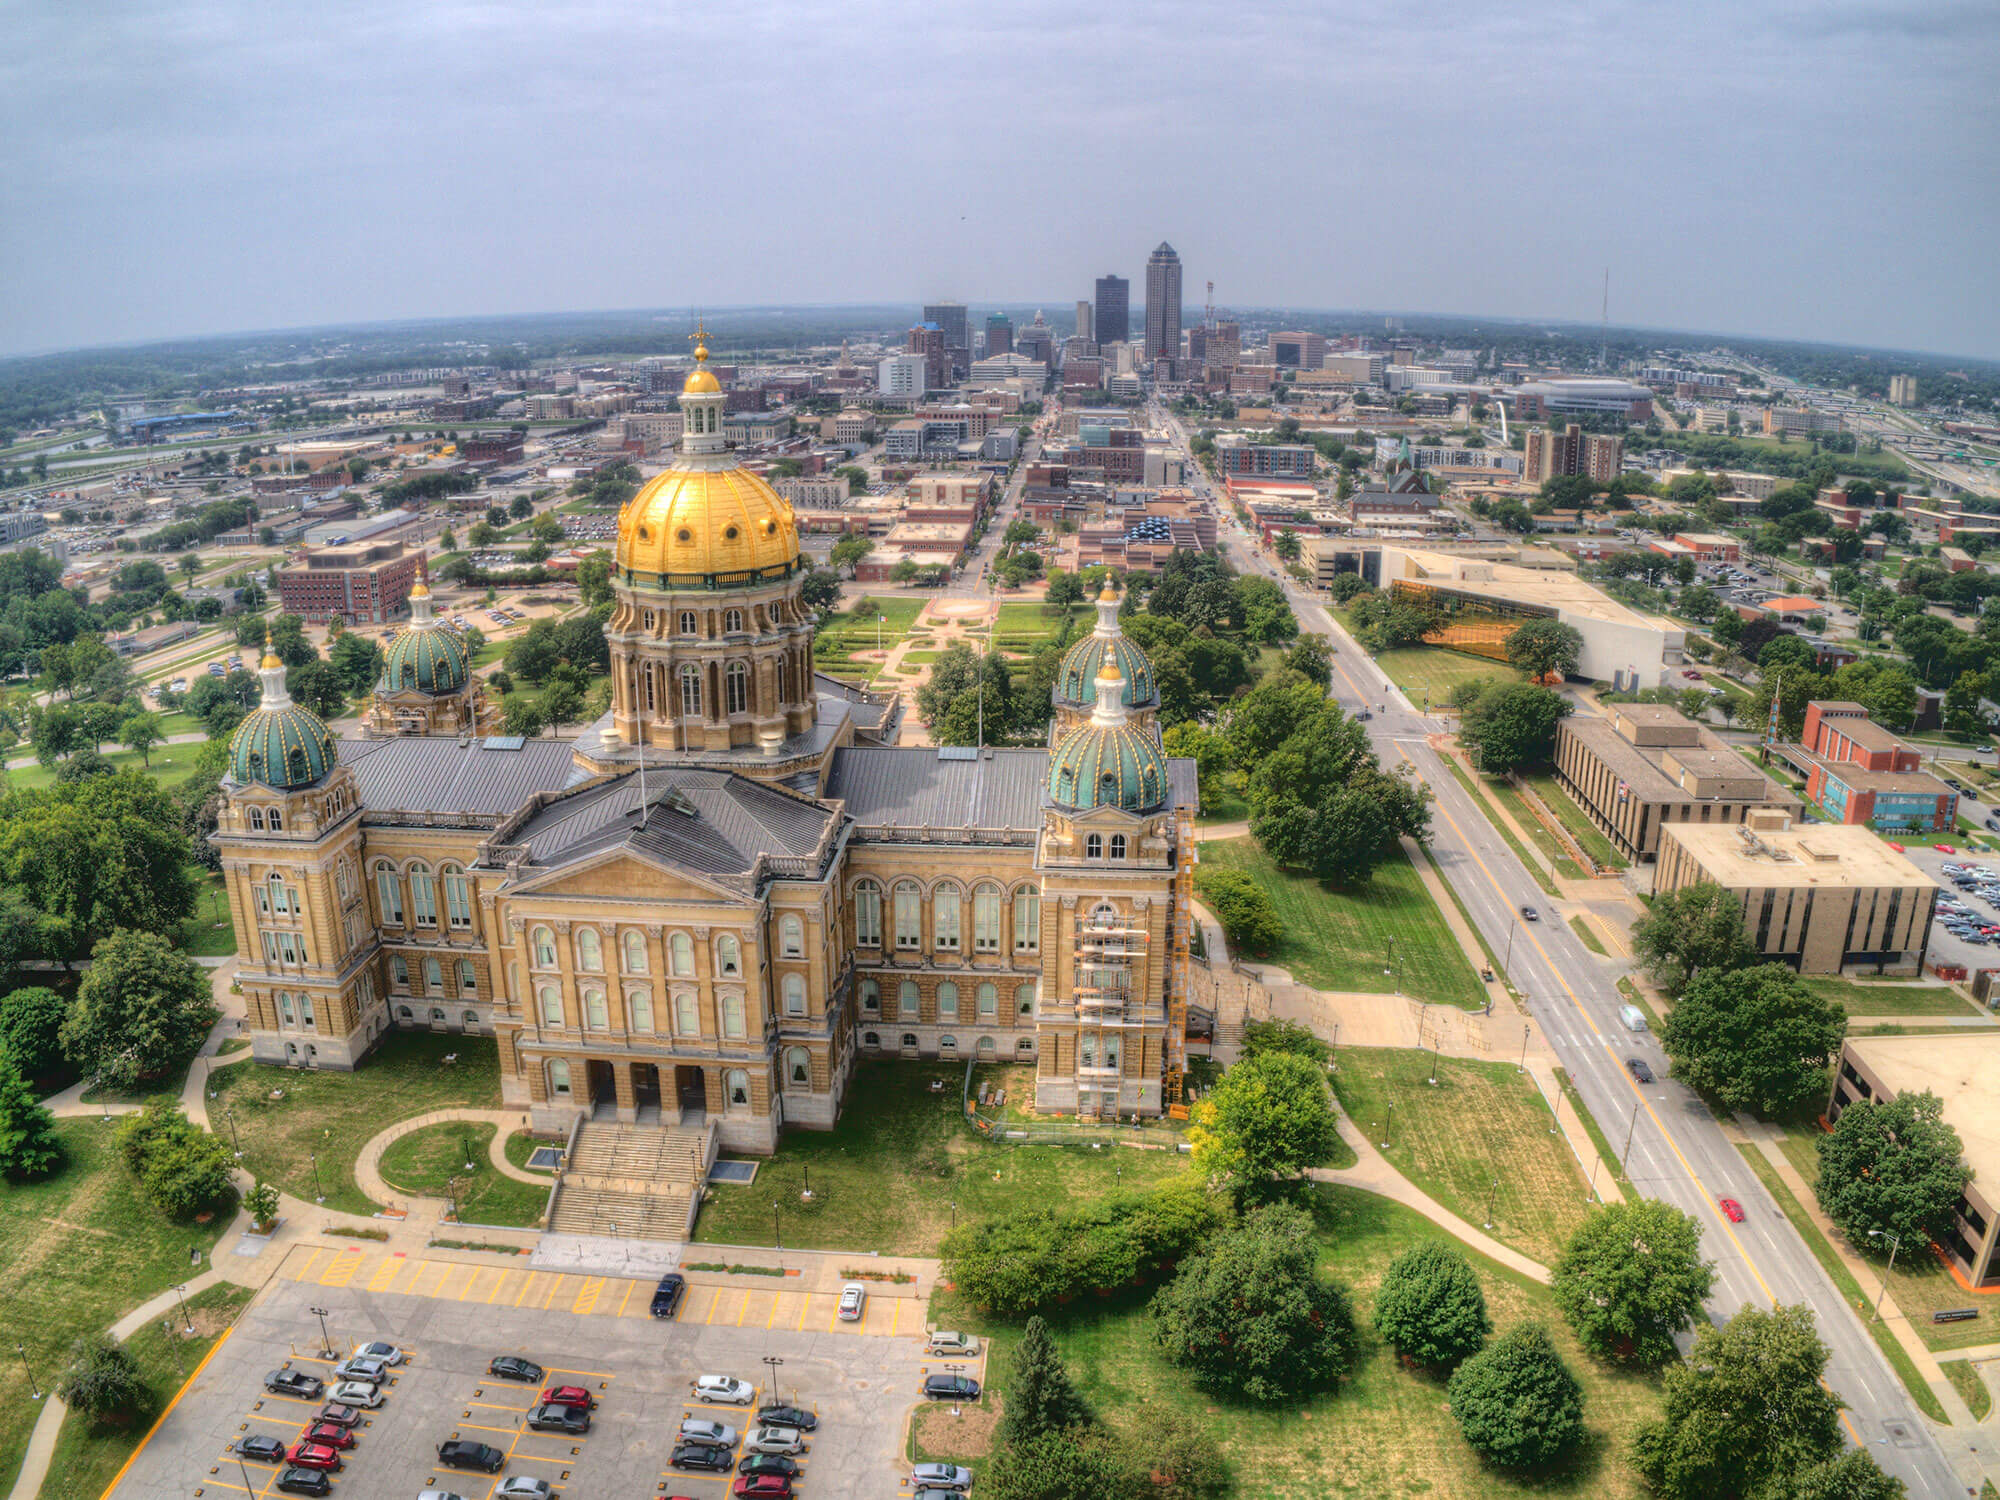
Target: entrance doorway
[(603, 1083), (691, 1092), (646, 1092)]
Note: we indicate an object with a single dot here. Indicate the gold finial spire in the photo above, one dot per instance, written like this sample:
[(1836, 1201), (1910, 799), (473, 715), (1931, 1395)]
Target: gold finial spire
[(270, 656), (699, 338)]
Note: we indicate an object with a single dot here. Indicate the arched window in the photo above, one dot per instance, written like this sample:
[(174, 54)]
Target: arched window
[(944, 918), (868, 914), (736, 1088), (989, 1002), (795, 995), (1093, 847), (286, 1017), (1027, 920), (871, 1039), (1024, 999), (909, 1041), (687, 1015), (469, 1020), (437, 1015), (909, 915), (343, 878), (596, 1014), (791, 938), (423, 895), (551, 998), (589, 950), (545, 948), (558, 1078), (680, 955), (635, 951), (985, 1048), (781, 679), (468, 977), (1117, 846), (399, 971), (732, 1016), (257, 818), (736, 685), (639, 1009), (433, 976), (690, 691), (947, 1044), (986, 919), (690, 624), (389, 891), (404, 1013), (798, 1067), (277, 817), (729, 955), (871, 996), (647, 618), (906, 1000), (457, 897), (947, 998), (732, 622)]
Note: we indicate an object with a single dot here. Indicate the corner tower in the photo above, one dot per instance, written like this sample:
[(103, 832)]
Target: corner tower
[(1075, 694), (427, 686)]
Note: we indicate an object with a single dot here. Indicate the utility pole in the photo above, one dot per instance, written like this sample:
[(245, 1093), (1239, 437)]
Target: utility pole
[(1626, 1155)]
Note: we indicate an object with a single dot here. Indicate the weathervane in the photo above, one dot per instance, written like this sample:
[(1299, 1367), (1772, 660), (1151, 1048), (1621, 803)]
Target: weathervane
[(699, 338)]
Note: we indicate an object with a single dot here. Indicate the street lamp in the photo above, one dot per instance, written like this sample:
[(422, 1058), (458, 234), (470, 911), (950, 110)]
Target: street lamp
[(465, 1146), (773, 1363), (167, 1328), (33, 1384), (234, 1143), (1626, 1155), (776, 1238), (1895, 1244), (451, 1188), (954, 1216), (319, 1193), (1491, 1192), (325, 1338), (181, 1292), (1522, 1066), (1387, 1123)]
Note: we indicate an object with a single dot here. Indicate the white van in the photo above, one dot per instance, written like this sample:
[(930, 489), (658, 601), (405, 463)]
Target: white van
[(1633, 1017)]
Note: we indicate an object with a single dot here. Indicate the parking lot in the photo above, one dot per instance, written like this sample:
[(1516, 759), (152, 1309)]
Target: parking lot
[(1945, 946), (452, 1318)]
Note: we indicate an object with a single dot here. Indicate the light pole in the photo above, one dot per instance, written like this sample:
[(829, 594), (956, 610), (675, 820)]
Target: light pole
[(234, 1143), (1626, 1155), (167, 1328), (776, 1237), (807, 1190), (1512, 927), (954, 1216), (1895, 1244), (181, 1292), (33, 1384), (465, 1147), (451, 1189), (1491, 1193), (773, 1363), (319, 1193), (1387, 1123), (1522, 1066), (325, 1338)]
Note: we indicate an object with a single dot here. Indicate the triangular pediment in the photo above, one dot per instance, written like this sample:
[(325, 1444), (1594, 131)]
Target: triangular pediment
[(630, 876)]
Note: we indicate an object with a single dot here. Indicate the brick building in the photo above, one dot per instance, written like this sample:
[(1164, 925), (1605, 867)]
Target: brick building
[(366, 585)]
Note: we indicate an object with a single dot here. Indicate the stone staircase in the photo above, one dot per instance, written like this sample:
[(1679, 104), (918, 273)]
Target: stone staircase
[(633, 1181)]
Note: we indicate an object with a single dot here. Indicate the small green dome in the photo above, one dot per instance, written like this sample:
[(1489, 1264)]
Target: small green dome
[(1099, 765), (286, 748), (1076, 683), (426, 659)]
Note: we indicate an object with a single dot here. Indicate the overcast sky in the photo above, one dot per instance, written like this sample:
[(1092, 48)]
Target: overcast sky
[(1826, 170)]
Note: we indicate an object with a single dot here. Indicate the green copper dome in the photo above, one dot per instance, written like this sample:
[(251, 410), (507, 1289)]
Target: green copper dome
[(1076, 683), (285, 747), (1099, 765), (427, 658)]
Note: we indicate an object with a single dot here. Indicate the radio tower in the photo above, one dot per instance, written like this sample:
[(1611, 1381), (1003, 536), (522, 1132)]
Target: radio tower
[(1604, 325)]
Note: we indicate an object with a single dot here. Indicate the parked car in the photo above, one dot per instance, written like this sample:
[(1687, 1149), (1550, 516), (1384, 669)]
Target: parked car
[(1731, 1209), (340, 1416), (701, 1430), (762, 1485), (788, 1416), (328, 1435), (769, 1439), (701, 1456), (1639, 1069), (461, 1453), (356, 1393), (940, 1477), (262, 1449), (568, 1395), (771, 1463), (552, 1416), (371, 1370), (389, 1354), (294, 1383), (304, 1482), (315, 1456), (951, 1388), (523, 1487), (853, 1300), (947, 1341), (725, 1388), (667, 1295), (513, 1367)]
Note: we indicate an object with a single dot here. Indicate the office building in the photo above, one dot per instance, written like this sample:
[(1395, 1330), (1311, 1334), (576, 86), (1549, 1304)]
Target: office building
[(1963, 1071), (366, 584), (1163, 303), (950, 317), (902, 375), (999, 334), (1858, 772), (1597, 455), (1114, 310), (1819, 898), (1648, 767), (1538, 400), (1236, 455), (1086, 321), (1799, 421), (1298, 351), (929, 340), (1903, 390)]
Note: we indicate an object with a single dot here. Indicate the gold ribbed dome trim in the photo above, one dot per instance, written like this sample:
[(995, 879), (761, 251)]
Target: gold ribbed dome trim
[(697, 519)]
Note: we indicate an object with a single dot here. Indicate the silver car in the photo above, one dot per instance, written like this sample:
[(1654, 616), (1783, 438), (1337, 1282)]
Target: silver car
[(940, 1477), (701, 1430), (774, 1439)]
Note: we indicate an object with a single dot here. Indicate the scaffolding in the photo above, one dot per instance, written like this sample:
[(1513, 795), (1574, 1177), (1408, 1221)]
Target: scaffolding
[(1178, 976), (1110, 949)]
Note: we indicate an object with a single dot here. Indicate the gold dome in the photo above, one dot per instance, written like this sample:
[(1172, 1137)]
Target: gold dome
[(695, 521)]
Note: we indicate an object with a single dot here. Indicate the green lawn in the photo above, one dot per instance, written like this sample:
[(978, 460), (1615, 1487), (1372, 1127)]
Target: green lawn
[(1572, 817), (211, 931), (1586, 936), (1028, 627), (1429, 673), (87, 1456), (886, 1177), (81, 1250), (335, 1114), (520, 1146), (1479, 1125), (171, 765), (1965, 1380), (1386, 1432), (427, 1161), (855, 630), (1545, 842), (1890, 997), (1339, 939)]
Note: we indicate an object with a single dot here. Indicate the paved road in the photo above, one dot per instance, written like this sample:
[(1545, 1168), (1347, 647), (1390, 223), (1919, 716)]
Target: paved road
[(1678, 1152)]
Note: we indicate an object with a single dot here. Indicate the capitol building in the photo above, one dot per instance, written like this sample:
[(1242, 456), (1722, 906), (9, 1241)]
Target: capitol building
[(703, 910)]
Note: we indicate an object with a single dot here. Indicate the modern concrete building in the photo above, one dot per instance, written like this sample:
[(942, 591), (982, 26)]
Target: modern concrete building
[(1820, 898), (1163, 303), (1648, 767), (901, 375), (1903, 390), (1114, 310), (1235, 454), (999, 334), (1964, 1072), (1298, 351), (1086, 321)]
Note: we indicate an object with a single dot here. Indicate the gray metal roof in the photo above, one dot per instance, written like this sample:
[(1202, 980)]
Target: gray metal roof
[(437, 774), (911, 787)]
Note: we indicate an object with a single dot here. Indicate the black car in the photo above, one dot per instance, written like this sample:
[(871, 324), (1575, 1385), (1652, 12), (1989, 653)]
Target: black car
[(667, 1295), (294, 1383), (708, 1456), (1639, 1069), (951, 1388), (771, 1463), (297, 1481), (461, 1454), (513, 1367), (788, 1416), (1529, 914), (265, 1450), (557, 1418)]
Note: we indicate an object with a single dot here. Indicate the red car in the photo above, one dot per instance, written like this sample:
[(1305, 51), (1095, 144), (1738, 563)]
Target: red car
[(327, 1435), (315, 1456), (1732, 1210), (568, 1395), (1894, 845), (762, 1484), (1946, 848)]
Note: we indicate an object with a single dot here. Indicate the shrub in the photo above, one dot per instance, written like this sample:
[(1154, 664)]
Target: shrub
[(103, 1382), (1430, 1308), (1516, 1402)]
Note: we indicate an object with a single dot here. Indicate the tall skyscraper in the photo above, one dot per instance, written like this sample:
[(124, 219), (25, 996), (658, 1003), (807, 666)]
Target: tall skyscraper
[(950, 316), (1114, 309), (999, 334), (1086, 322), (1163, 303)]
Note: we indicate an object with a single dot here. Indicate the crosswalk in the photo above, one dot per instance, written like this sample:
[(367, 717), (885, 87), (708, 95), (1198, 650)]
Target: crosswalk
[(721, 1302)]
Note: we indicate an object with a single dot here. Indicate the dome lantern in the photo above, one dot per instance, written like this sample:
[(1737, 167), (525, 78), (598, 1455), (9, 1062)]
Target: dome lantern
[(280, 744), (1108, 762), (1077, 677)]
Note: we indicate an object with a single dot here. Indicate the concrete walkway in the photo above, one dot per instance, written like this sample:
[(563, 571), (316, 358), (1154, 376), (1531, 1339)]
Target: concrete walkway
[(368, 1165)]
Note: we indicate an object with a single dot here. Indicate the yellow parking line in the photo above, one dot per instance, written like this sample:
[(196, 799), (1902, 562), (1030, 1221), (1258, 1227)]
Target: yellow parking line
[(590, 1374), (833, 1320), (776, 1298), (805, 1306), (745, 1308), (498, 1285), (475, 1427), (311, 1260), (525, 1284), (896, 1316), (714, 1298), (554, 1287), (630, 1288), (393, 1267), (417, 1281), (342, 1270), (586, 1296)]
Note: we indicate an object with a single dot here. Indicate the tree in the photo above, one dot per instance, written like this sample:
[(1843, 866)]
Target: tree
[(1042, 1398), (1544, 647), (1287, 546), (141, 1012), (1269, 1119), (319, 686), (357, 661), (519, 714), (1891, 1169), (141, 732), (1744, 1413), (1243, 907), (1694, 930), (1430, 1308), (104, 1382), (849, 551), (520, 508), (1177, 1459), (1312, 658), (1756, 1039), (561, 704), (1250, 1316), (819, 590), (1064, 589), (1284, 1036), (29, 1145), (31, 1029), (1853, 1476), (1516, 1402), (1511, 725), (1631, 1278), (1057, 1466)]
